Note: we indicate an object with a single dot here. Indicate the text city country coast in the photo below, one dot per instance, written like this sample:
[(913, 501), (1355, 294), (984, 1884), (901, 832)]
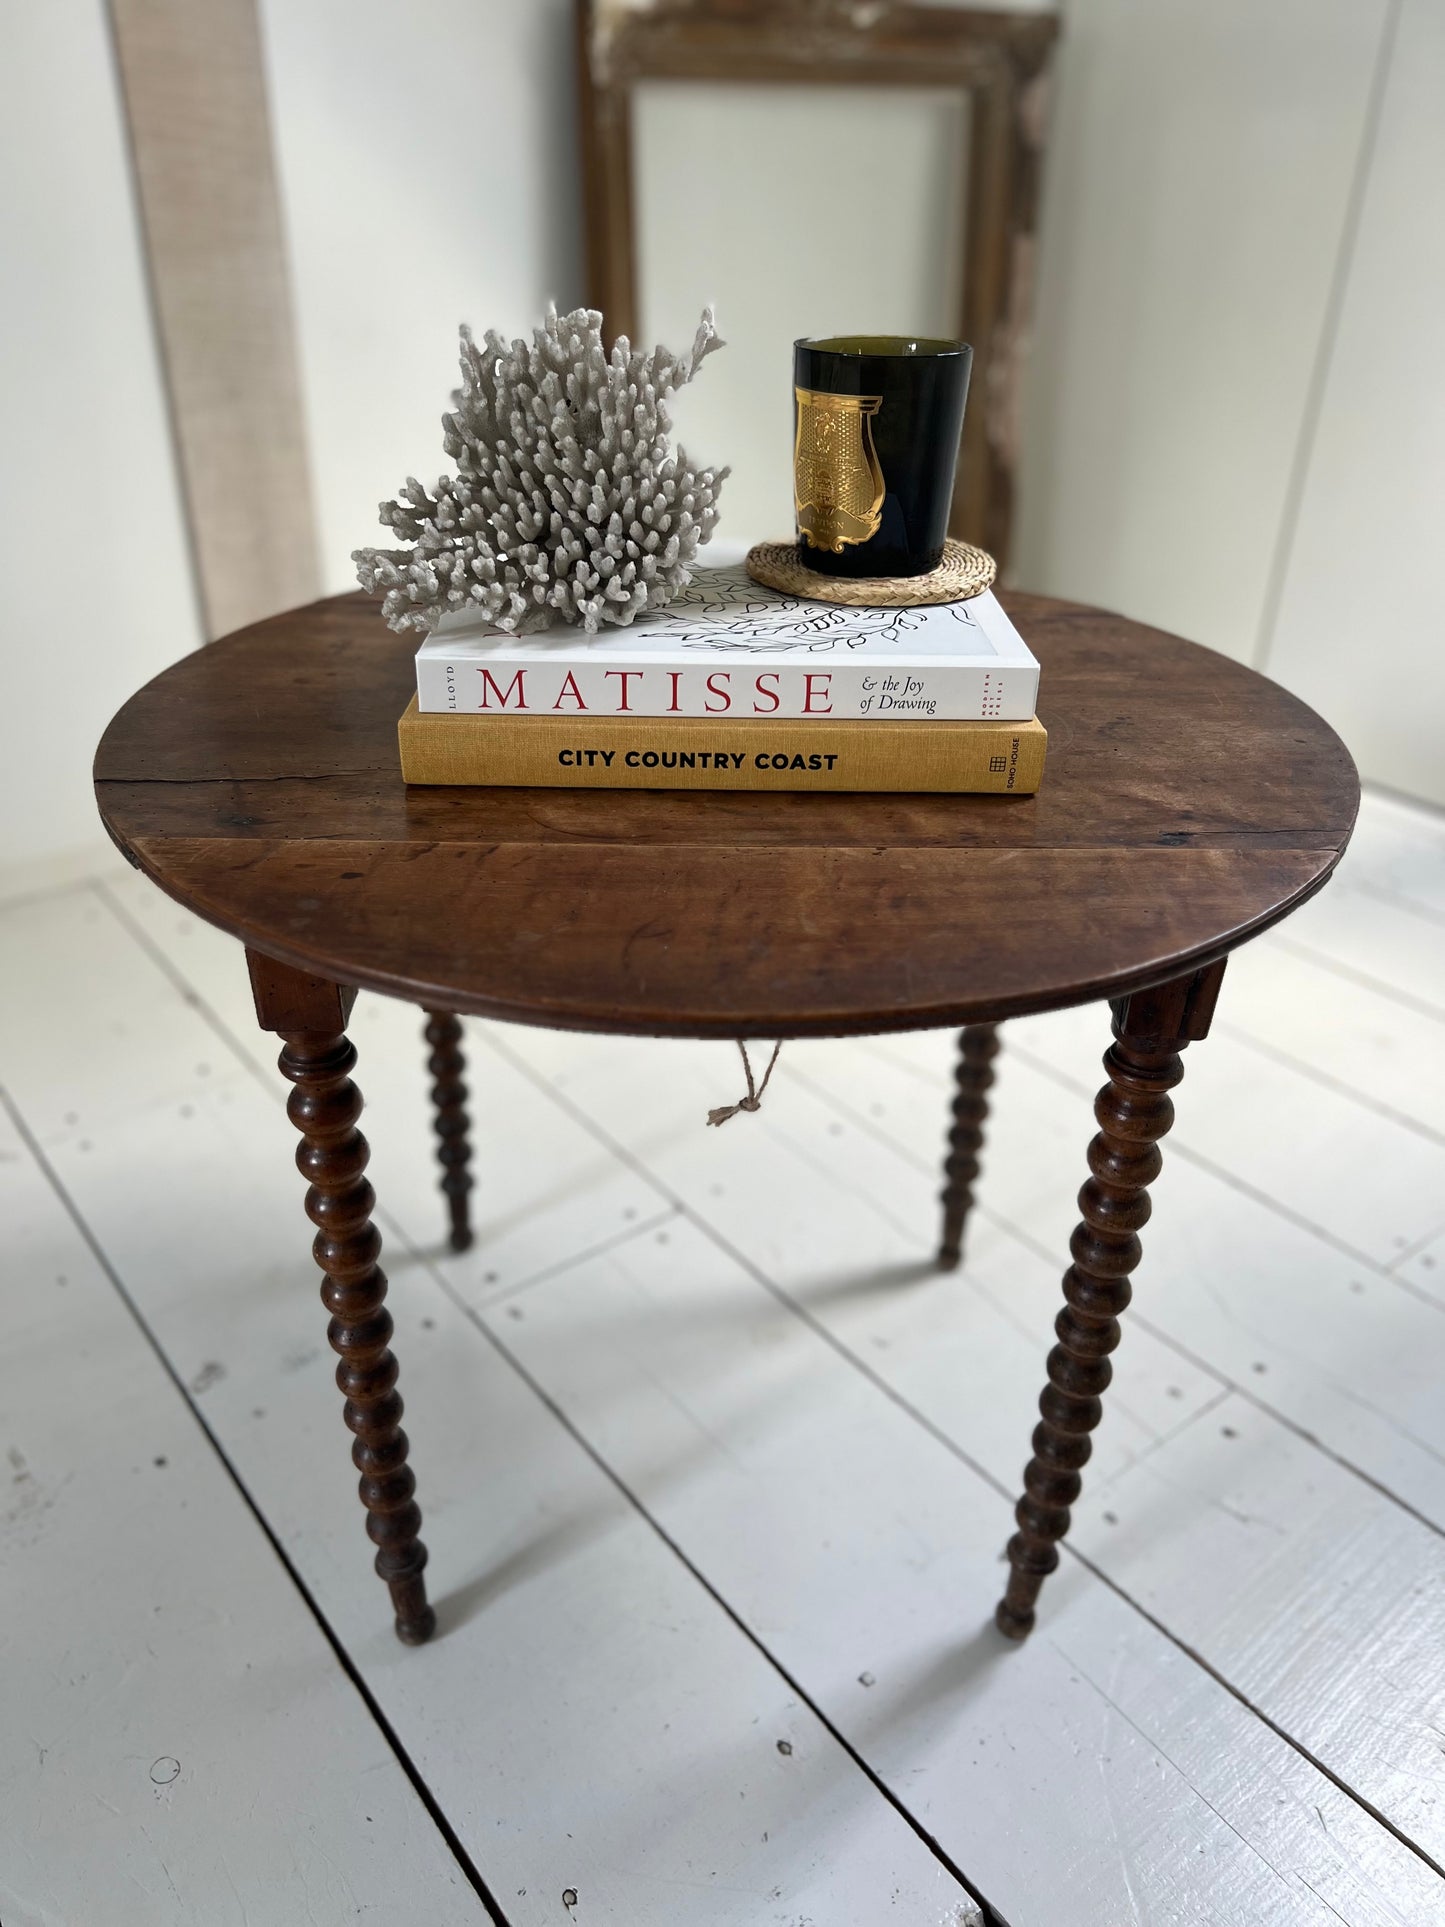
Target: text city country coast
[(696, 759)]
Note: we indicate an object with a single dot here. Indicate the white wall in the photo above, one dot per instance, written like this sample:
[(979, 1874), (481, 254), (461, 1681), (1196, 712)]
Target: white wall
[(1236, 409), (1201, 159), (1361, 625), (428, 174), (758, 235), (98, 589)]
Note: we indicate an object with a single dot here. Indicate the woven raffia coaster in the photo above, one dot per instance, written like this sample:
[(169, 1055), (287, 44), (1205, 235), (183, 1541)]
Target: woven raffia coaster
[(964, 571)]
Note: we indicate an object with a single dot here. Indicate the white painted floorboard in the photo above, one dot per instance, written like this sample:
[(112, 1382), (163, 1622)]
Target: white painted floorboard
[(174, 1718), (712, 1459), (593, 1723), (900, 1328)]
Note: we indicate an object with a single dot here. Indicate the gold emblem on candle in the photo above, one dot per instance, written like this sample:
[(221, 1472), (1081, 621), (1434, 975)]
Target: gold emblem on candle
[(837, 479)]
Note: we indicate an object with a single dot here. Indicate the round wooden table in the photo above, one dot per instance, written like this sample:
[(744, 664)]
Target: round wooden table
[(1188, 803)]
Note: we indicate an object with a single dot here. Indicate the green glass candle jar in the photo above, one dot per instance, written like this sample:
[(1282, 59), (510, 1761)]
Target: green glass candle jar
[(876, 422)]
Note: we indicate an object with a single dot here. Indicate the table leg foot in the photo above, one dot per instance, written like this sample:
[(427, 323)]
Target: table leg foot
[(1134, 1111), (978, 1046), (332, 1155), (1012, 1622), (448, 1064)]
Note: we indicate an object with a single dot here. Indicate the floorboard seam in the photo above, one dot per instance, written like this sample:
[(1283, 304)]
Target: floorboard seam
[(890, 1392), (639, 1167), (1176, 1345), (479, 1318), (1251, 1397), (658, 1221), (1026, 1238), (669, 1207), (1310, 953), (27, 899), (1066, 1546), (195, 998), (343, 1658), (1384, 894), (1179, 1146), (1329, 1081)]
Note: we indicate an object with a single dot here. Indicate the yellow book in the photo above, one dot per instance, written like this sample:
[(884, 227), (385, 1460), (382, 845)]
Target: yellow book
[(699, 753)]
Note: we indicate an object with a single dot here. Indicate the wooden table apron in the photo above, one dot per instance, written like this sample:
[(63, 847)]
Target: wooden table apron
[(1187, 804)]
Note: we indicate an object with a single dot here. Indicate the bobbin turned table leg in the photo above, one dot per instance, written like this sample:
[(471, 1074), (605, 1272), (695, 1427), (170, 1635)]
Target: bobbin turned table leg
[(447, 1065), (1134, 1111), (310, 1014), (978, 1046)]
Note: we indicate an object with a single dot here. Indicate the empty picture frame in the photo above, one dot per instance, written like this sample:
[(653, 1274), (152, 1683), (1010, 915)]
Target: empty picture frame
[(816, 166)]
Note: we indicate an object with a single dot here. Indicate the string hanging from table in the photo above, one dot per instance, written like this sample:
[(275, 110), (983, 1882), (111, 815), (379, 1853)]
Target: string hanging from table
[(753, 1100)]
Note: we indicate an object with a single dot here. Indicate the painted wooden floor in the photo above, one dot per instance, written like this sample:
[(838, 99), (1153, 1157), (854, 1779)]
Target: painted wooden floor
[(717, 1470)]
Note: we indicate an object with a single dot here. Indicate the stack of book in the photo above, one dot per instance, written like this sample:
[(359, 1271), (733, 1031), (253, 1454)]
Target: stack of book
[(734, 686)]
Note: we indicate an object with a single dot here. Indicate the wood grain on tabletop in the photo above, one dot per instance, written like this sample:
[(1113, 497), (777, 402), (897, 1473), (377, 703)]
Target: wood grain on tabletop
[(1187, 803)]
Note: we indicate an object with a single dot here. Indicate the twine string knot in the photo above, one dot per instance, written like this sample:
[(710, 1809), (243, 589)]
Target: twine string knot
[(753, 1100)]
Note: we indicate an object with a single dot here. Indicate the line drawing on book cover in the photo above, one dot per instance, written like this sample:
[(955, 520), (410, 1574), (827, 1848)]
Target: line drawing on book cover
[(724, 609)]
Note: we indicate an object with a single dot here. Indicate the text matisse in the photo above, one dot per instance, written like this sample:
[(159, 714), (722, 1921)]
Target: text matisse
[(657, 692)]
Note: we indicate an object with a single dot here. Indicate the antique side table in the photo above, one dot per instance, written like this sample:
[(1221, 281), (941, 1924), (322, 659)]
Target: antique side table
[(1188, 804)]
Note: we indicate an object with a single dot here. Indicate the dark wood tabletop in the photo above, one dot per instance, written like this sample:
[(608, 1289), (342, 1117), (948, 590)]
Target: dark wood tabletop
[(1188, 803)]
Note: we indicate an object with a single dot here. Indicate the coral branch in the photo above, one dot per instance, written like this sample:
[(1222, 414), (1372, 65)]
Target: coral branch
[(568, 503)]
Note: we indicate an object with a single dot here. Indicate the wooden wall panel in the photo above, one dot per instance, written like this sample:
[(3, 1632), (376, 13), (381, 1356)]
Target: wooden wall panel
[(192, 77)]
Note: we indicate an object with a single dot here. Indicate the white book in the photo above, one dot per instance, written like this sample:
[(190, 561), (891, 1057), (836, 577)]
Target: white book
[(729, 647)]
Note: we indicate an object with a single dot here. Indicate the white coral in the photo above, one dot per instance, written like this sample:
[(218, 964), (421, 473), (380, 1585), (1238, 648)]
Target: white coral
[(568, 501)]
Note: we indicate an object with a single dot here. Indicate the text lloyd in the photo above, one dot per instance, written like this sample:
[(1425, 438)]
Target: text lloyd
[(817, 700)]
